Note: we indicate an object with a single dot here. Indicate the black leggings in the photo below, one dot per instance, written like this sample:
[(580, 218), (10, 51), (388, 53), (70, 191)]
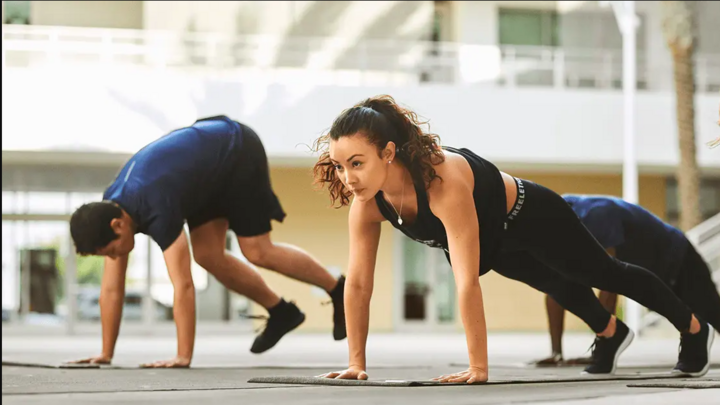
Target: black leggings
[(695, 287), (546, 246)]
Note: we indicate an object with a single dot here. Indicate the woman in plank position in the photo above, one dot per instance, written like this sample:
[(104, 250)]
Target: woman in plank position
[(483, 219)]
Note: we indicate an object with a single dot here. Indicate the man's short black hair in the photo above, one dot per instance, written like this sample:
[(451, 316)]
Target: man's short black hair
[(90, 226)]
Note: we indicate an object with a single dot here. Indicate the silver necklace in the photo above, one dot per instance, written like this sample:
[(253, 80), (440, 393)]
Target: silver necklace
[(402, 200)]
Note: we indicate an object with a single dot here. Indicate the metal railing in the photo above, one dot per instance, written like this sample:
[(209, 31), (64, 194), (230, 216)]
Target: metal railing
[(371, 61)]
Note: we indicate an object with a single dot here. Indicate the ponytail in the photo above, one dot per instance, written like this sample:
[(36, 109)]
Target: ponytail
[(381, 120)]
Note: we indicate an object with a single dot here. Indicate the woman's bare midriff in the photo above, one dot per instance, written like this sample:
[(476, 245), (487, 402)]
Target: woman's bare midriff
[(510, 191)]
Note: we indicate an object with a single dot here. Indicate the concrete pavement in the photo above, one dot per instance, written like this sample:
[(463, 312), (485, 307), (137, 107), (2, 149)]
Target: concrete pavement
[(223, 365)]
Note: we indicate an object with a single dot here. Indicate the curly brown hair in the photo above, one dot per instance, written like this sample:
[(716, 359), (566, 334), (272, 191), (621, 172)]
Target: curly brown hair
[(381, 120)]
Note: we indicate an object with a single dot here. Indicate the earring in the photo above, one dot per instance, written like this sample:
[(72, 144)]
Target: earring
[(389, 161)]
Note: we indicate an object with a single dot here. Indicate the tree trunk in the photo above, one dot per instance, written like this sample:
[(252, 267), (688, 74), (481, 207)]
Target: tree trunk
[(678, 25)]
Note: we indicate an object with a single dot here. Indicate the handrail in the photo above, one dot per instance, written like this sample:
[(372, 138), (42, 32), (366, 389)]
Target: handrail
[(426, 61)]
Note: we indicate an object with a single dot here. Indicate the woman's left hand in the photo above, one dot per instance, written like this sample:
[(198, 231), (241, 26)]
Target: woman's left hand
[(472, 375)]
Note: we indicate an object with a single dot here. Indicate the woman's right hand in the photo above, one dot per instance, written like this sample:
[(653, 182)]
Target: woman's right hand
[(349, 374), (101, 359)]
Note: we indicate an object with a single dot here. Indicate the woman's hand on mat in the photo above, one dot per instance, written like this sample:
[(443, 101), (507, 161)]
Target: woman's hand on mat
[(101, 359), (349, 374), (177, 362), (471, 376)]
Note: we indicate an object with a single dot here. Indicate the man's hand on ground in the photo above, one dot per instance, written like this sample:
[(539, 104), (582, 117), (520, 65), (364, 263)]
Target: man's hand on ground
[(554, 360)]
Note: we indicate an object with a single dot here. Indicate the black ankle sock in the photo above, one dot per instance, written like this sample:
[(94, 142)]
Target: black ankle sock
[(278, 307), (337, 289)]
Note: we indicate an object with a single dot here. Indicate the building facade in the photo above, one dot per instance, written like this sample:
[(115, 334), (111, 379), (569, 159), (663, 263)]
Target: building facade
[(533, 86)]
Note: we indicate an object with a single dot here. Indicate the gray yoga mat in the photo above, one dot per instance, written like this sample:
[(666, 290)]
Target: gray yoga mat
[(693, 384), (304, 380)]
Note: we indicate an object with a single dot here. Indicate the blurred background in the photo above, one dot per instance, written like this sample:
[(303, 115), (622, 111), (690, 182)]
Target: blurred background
[(534, 86)]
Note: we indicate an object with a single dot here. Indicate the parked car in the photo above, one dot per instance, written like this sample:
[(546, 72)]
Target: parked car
[(89, 306)]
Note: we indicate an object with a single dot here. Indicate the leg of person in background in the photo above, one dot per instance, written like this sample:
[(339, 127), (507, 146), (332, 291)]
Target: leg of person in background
[(609, 301), (297, 264), (556, 324), (208, 244), (696, 288), (552, 233), (253, 206), (563, 293)]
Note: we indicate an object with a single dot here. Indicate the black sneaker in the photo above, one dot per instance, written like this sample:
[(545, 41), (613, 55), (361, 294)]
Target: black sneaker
[(338, 301), (606, 351), (283, 318), (694, 358)]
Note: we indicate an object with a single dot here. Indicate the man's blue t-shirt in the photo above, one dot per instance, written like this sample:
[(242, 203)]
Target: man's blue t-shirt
[(638, 236), (176, 175)]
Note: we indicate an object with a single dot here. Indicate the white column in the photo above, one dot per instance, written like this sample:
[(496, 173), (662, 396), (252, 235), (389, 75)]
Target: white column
[(627, 22), (70, 285), (24, 282), (148, 305), (628, 27)]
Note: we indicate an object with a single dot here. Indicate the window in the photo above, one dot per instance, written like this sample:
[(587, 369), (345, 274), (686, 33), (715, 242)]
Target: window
[(528, 27), (8, 202), (17, 12), (709, 199), (40, 202), (78, 199), (428, 285)]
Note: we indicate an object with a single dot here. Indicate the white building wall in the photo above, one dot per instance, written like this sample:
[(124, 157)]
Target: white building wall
[(376, 19), (121, 112)]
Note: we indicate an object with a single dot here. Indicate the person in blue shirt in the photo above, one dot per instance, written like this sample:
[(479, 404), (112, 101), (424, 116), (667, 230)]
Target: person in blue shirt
[(213, 175), (634, 235)]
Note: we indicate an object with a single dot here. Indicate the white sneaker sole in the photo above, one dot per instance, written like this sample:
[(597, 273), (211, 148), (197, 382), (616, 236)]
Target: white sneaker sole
[(624, 345), (711, 338)]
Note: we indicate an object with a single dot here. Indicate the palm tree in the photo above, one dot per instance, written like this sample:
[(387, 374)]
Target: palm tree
[(679, 29)]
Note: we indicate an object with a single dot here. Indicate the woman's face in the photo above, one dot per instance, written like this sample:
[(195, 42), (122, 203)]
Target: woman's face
[(359, 166)]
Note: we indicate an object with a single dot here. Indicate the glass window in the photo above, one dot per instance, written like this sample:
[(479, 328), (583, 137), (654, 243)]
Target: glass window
[(445, 299), (528, 27), (20, 204), (415, 280), (429, 284), (78, 199), (21, 235), (17, 12), (47, 202), (709, 199), (8, 202)]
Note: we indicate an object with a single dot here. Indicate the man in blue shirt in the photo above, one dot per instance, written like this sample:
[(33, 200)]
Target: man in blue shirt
[(634, 235), (213, 175)]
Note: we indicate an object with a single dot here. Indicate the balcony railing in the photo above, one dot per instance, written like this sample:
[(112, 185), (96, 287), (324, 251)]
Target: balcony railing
[(338, 61)]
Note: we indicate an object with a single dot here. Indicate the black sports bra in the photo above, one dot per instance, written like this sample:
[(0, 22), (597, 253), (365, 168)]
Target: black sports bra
[(490, 205)]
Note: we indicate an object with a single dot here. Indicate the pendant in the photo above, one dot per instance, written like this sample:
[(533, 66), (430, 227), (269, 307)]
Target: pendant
[(399, 221)]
